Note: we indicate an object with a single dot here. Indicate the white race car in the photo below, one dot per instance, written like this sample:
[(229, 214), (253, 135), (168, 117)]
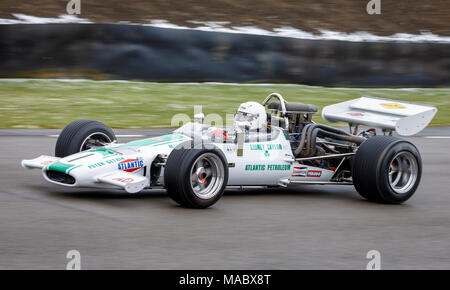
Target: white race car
[(281, 148)]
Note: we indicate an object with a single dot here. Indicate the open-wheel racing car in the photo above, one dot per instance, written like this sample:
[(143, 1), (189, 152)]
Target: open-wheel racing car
[(281, 148)]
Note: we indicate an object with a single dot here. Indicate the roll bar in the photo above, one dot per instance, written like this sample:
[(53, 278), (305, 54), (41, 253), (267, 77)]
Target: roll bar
[(283, 107), (280, 98)]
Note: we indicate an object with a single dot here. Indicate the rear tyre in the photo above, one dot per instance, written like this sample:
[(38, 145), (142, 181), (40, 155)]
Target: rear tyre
[(82, 135), (387, 169), (196, 177)]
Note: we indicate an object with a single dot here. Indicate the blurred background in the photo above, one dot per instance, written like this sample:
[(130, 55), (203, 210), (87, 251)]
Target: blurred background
[(135, 64), (177, 53)]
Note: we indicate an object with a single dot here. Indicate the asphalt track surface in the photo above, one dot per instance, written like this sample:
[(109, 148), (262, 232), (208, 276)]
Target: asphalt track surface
[(313, 227)]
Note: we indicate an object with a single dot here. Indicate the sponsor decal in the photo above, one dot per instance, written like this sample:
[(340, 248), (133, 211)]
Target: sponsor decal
[(392, 106), (355, 114), (300, 171), (256, 146), (314, 173), (273, 167), (124, 180), (265, 147), (304, 172), (131, 165), (114, 160), (231, 165), (95, 165), (274, 147), (269, 167), (255, 167), (46, 162), (103, 163)]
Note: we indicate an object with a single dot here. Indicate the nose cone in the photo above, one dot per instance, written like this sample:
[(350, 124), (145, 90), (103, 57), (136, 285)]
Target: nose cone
[(83, 167), (91, 161)]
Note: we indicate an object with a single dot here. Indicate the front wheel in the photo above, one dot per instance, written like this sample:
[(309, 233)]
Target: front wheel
[(196, 177), (387, 169), (82, 135)]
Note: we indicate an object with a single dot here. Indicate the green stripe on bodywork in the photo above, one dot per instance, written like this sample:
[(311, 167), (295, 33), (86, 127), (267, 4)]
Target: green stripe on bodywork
[(168, 139), (72, 168), (59, 166)]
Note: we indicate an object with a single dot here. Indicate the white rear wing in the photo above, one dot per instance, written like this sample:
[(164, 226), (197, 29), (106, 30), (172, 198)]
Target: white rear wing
[(405, 118)]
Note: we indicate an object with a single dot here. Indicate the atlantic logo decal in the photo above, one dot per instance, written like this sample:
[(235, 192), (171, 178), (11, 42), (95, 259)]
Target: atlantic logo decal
[(267, 167), (131, 165)]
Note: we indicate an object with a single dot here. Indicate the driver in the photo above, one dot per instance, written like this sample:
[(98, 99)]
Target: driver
[(250, 116)]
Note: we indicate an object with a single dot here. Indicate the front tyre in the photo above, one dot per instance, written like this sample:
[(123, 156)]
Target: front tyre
[(387, 169), (196, 177), (82, 135)]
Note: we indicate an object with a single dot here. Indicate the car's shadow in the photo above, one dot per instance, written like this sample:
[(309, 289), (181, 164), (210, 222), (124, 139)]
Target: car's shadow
[(308, 191), (107, 194), (158, 198), (302, 192)]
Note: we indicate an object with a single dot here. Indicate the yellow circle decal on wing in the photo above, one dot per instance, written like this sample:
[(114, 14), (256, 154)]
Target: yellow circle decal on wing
[(393, 106)]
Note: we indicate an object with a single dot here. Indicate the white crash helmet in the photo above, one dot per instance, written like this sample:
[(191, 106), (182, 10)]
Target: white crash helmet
[(251, 116)]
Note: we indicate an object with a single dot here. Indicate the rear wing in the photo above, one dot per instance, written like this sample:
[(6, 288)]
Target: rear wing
[(405, 118)]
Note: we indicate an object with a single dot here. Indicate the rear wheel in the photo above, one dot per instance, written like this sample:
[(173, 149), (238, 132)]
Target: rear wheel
[(196, 177), (82, 135), (387, 169)]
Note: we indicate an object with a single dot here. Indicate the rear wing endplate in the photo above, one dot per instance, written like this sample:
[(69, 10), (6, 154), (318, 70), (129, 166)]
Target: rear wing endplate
[(405, 118)]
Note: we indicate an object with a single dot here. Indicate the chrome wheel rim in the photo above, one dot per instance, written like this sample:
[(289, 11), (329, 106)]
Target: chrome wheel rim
[(403, 172), (207, 175), (96, 139)]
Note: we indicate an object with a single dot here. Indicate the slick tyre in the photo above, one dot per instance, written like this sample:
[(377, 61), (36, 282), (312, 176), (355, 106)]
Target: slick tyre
[(82, 135), (196, 177), (387, 169)]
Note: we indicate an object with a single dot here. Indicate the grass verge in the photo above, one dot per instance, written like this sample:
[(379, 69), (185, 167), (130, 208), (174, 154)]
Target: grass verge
[(31, 103)]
